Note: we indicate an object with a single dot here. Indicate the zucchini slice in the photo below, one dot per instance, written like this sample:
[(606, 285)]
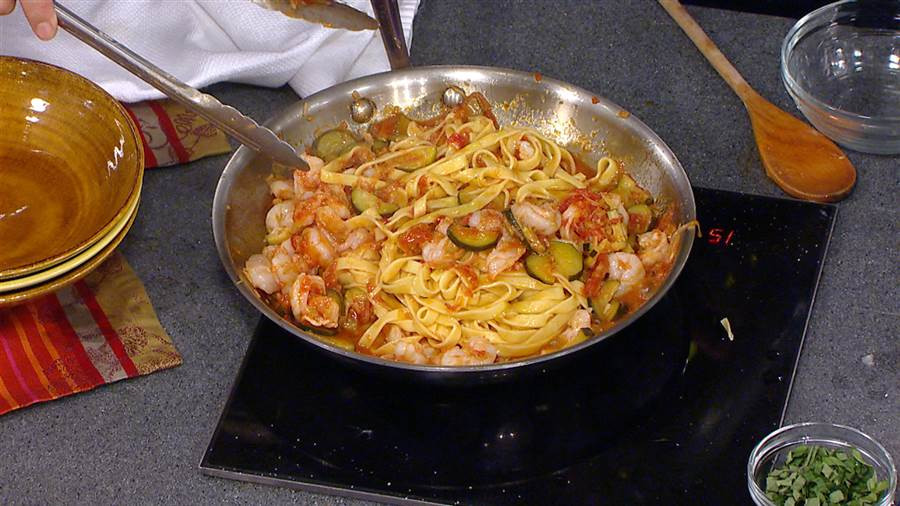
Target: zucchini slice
[(351, 296), (363, 200), (319, 331), (472, 239), (337, 297), (525, 233), (379, 146), (582, 336), (540, 267), (639, 218), (338, 342), (631, 193), (562, 257), (333, 144), (415, 158), (567, 259), (355, 293), (610, 312), (604, 297)]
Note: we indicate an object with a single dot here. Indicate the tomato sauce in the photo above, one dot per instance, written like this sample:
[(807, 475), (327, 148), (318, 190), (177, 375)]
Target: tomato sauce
[(458, 140), (597, 276), (412, 240)]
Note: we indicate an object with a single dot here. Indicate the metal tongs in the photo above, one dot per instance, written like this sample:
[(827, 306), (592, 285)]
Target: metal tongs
[(327, 13), (239, 126)]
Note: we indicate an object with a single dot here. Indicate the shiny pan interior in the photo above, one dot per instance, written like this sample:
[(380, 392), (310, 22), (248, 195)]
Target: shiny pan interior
[(576, 118)]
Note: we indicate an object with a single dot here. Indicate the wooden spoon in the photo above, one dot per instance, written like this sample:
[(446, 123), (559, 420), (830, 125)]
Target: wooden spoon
[(802, 161)]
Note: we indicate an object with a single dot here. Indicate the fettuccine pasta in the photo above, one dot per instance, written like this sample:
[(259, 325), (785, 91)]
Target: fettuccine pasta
[(452, 241)]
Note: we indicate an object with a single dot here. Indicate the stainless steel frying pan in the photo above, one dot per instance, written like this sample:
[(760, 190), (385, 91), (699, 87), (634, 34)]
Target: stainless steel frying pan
[(571, 115)]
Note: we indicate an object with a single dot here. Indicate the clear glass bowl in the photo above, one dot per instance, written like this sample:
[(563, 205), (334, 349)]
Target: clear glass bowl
[(773, 449), (841, 65)]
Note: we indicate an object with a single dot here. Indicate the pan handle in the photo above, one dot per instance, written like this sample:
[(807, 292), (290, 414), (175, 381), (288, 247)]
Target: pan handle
[(388, 15)]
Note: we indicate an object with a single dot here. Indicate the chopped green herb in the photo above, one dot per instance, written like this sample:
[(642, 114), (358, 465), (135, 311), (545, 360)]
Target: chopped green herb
[(817, 476)]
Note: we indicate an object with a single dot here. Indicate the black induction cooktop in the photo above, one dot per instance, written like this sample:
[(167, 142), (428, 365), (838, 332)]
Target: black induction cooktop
[(665, 412)]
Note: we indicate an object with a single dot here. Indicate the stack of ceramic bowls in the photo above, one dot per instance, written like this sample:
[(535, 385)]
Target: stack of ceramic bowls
[(71, 166)]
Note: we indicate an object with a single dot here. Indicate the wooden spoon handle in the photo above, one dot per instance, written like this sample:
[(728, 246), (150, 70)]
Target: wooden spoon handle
[(708, 48)]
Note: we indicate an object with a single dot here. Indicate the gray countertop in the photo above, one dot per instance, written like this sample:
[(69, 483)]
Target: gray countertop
[(139, 441)]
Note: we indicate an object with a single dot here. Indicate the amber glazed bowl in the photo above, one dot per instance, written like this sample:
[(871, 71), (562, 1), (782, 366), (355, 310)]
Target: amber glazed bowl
[(15, 297), (71, 164)]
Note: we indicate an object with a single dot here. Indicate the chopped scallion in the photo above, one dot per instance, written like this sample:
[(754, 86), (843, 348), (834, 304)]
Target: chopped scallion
[(817, 476)]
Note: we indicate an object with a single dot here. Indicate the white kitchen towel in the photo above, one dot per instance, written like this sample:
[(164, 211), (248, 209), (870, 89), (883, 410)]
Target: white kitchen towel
[(207, 41)]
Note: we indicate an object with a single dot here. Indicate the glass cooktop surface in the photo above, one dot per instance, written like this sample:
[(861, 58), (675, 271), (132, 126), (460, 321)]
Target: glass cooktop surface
[(664, 412)]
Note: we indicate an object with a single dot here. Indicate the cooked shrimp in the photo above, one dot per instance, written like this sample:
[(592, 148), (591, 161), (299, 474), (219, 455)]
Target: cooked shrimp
[(485, 220), (440, 250), (504, 255), (306, 207), (309, 302), (654, 247), (394, 333), (443, 226), (281, 189), (355, 239), (306, 181), (584, 216), (280, 216), (338, 203), (337, 193), (580, 320), (481, 349), (329, 220), (524, 150), (286, 263), (543, 219), (454, 356), (259, 271), (474, 351), (431, 353), (315, 246), (315, 163), (407, 352), (569, 218), (440, 253), (627, 269)]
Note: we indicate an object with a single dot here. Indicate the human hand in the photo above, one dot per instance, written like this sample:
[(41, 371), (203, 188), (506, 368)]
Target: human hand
[(40, 15)]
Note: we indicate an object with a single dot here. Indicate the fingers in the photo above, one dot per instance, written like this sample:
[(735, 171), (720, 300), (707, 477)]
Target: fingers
[(41, 17), (7, 6)]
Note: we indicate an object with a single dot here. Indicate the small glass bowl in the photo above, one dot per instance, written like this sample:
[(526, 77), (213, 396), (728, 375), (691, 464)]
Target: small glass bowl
[(841, 65), (773, 450)]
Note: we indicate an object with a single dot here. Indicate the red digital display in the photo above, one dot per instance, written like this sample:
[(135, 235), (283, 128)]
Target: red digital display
[(719, 236)]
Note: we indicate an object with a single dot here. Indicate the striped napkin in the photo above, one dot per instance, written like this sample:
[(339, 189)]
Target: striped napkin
[(103, 328), (96, 331)]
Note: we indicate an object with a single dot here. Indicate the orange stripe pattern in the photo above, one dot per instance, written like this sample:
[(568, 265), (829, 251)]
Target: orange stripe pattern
[(45, 355)]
